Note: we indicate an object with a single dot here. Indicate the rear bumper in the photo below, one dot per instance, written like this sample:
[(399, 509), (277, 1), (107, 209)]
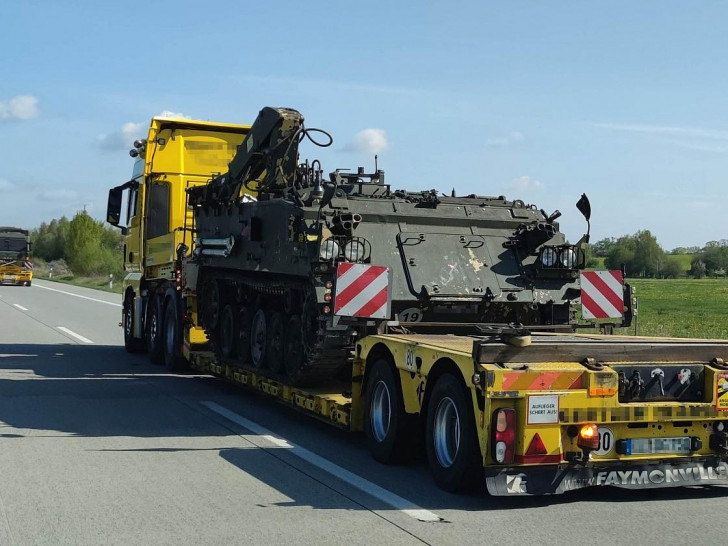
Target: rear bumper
[(15, 278), (557, 479)]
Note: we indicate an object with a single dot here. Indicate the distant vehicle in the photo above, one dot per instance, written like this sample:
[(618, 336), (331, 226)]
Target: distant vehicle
[(15, 265)]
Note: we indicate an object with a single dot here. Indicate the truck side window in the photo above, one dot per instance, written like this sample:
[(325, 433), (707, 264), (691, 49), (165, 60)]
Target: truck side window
[(158, 221)]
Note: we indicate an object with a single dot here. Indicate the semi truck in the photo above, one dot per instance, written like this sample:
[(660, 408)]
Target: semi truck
[(15, 265), (438, 325)]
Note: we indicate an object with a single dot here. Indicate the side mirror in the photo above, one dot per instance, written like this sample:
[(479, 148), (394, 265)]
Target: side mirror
[(113, 206)]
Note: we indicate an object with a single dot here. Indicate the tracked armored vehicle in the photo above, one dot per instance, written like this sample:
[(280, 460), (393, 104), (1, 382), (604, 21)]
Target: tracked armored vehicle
[(274, 240)]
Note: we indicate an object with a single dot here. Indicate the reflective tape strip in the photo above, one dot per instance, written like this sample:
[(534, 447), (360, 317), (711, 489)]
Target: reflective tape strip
[(362, 291)]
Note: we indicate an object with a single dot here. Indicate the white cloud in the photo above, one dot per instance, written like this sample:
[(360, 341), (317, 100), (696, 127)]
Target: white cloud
[(6, 185), (511, 138), (19, 107), (123, 139), (368, 140), (688, 132), (60, 197), (525, 183), (170, 114)]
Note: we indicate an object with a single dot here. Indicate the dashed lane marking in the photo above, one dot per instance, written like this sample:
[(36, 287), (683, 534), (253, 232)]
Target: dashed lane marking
[(74, 334), (19, 307), (387, 497)]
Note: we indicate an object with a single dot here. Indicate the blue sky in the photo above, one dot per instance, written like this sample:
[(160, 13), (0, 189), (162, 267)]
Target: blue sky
[(538, 101)]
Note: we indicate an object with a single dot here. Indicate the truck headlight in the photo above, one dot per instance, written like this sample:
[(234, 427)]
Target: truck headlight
[(329, 250), (354, 251)]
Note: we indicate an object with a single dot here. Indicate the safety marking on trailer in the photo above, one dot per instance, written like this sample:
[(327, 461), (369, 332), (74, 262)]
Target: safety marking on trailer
[(20, 307), (74, 334), (78, 296), (602, 294), (362, 291), (542, 381), (721, 395), (371, 489)]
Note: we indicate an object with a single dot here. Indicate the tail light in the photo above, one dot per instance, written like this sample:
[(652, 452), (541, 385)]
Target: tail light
[(588, 437), (504, 435)]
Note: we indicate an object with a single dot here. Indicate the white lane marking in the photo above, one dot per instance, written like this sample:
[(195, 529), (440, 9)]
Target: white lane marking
[(78, 295), (395, 501), (74, 334), (19, 307)]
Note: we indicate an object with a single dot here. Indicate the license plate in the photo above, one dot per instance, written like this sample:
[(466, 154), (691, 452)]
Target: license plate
[(9, 277), (647, 446)]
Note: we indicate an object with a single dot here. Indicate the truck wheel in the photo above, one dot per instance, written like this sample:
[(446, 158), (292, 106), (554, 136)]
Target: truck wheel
[(258, 342), (227, 331), (131, 344), (388, 435), (453, 452), (275, 337), (172, 335), (245, 321), (155, 346), (27, 283)]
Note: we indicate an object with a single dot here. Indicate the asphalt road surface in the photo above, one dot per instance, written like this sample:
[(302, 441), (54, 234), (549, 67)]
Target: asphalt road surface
[(100, 447)]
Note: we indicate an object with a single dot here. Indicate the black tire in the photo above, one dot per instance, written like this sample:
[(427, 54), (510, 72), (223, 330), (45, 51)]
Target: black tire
[(172, 335), (228, 337), (275, 339), (389, 432), (258, 338), (131, 344), (154, 339), (211, 305), (244, 322), (453, 452), (28, 283)]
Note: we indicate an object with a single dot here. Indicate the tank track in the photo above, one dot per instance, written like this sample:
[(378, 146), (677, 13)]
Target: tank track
[(327, 353)]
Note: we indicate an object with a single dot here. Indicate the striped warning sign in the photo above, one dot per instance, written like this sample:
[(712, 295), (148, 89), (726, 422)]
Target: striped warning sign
[(601, 294), (362, 291)]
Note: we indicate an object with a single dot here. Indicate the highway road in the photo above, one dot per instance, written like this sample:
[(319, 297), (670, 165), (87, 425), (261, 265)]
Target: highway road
[(100, 447)]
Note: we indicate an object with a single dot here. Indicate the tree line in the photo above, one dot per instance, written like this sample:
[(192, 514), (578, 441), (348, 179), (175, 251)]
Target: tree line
[(642, 256), (89, 247)]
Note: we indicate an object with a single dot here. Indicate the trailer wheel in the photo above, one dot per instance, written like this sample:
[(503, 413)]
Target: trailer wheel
[(389, 434), (172, 335), (258, 343), (275, 337), (227, 331), (131, 344), (245, 321), (453, 452), (155, 345)]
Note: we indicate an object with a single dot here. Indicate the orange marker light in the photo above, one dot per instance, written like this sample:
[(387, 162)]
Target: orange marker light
[(588, 436)]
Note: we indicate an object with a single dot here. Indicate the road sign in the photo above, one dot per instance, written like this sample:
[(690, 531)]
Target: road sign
[(362, 291), (602, 294)]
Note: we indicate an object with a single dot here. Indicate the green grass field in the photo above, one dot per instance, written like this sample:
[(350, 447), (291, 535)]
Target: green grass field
[(681, 307)]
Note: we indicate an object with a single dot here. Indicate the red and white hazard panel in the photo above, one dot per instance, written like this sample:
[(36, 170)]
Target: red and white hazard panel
[(602, 294), (362, 291)]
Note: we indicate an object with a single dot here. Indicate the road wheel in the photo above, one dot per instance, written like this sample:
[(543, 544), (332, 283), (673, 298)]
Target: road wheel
[(172, 335), (453, 452), (245, 321), (211, 299), (294, 350), (27, 283), (131, 344), (389, 432), (258, 338), (275, 338), (155, 345), (227, 331)]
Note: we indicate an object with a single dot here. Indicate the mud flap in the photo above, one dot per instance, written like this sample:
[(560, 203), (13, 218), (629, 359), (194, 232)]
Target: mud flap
[(554, 480)]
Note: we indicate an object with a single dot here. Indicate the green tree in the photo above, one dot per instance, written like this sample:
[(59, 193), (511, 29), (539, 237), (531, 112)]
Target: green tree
[(671, 268)]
